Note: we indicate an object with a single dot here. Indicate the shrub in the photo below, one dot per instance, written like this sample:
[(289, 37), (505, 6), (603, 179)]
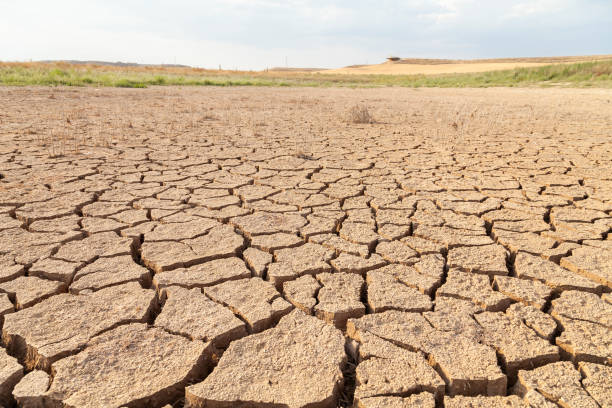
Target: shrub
[(360, 114)]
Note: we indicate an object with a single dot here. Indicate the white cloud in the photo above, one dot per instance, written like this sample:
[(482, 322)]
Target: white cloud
[(261, 33)]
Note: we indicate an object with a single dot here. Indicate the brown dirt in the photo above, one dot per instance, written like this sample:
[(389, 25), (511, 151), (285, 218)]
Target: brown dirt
[(224, 247)]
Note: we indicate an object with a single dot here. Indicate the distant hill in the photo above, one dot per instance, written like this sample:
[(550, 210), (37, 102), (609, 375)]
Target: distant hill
[(534, 60), (431, 66), (116, 64)]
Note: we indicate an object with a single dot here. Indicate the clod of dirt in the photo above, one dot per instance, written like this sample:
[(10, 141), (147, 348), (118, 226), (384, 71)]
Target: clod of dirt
[(255, 300), (29, 392), (528, 292), (424, 400), (339, 298), (11, 373), (190, 313), (475, 288), (511, 401), (487, 259), (472, 372), (302, 292), (517, 345), (97, 375), (297, 363), (532, 267), (596, 380), (592, 263), (26, 291), (543, 324), (393, 288), (45, 332), (557, 382), (205, 274), (108, 272)]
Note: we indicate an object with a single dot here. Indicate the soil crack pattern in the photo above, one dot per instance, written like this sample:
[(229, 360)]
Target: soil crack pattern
[(160, 248)]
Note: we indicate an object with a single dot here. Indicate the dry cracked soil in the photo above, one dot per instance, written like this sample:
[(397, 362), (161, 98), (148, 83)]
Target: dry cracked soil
[(225, 247)]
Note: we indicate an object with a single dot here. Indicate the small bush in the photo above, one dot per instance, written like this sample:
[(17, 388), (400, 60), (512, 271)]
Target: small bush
[(360, 114), (127, 83)]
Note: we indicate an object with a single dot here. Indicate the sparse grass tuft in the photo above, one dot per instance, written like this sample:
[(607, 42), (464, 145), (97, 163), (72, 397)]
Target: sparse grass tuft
[(360, 114)]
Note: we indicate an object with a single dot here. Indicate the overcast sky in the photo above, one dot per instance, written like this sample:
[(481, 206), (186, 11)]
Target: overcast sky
[(255, 34)]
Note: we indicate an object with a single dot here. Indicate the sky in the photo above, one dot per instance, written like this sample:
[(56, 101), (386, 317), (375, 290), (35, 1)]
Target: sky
[(259, 34)]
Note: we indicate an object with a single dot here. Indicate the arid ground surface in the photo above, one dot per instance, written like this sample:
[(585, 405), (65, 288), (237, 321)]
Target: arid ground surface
[(224, 247)]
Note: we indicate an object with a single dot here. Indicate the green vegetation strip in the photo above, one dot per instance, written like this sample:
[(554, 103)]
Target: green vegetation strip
[(587, 74)]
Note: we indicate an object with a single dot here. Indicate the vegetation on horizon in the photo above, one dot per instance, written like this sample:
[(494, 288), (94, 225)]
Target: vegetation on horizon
[(584, 74)]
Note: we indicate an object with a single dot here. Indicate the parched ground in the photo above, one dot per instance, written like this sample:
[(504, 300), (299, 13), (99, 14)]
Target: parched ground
[(225, 247)]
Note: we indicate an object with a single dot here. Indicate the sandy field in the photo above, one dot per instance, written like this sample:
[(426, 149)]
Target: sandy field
[(255, 247), (437, 67)]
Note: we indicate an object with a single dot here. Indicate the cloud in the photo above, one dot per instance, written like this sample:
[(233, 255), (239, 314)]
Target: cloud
[(262, 33)]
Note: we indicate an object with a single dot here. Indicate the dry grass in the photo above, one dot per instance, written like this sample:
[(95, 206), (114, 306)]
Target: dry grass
[(586, 74), (360, 114)]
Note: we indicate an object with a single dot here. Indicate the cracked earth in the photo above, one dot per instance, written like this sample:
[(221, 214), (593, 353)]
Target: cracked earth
[(253, 248)]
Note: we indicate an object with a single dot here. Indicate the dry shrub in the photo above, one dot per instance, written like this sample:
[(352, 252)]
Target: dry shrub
[(360, 114)]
